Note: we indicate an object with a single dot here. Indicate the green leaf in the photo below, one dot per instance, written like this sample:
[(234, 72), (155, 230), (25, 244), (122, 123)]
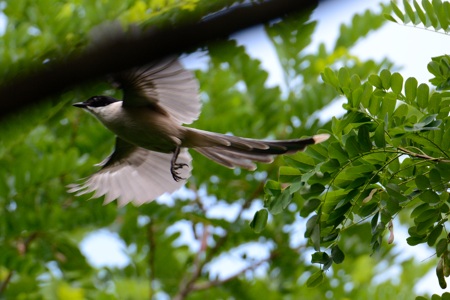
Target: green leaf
[(427, 225), (279, 203), (355, 171), (344, 77), (356, 97), (419, 209), (259, 221), (434, 235), (436, 179), (379, 136), (420, 13), (441, 247), (375, 101), (385, 76), (336, 152), (349, 118), (352, 146), (429, 196), (320, 258), (401, 111), (315, 279), (409, 11), (388, 104), (395, 193), (313, 231), (426, 215), (443, 15), (300, 160), (430, 13), (367, 94), (397, 11), (422, 182), (375, 80), (440, 273), (332, 236), (423, 92), (396, 83), (315, 237), (309, 206), (272, 188), (440, 14), (312, 221), (330, 166), (313, 190), (433, 68), (410, 89), (355, 82), (338, 214), (374, 222), (289, 174), (413, 241), (337, 254), (364, 138), (330, 77), (389, 18)]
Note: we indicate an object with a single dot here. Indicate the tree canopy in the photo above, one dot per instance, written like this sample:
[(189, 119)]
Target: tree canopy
[(323, 219)]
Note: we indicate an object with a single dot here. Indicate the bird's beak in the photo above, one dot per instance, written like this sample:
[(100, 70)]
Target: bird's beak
[(80, 105)]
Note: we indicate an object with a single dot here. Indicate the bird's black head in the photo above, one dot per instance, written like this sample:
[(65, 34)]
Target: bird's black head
[(96, 101)]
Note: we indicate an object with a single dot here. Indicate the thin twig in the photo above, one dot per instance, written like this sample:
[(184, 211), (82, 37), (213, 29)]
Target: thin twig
[(210, 284), (424, 156)]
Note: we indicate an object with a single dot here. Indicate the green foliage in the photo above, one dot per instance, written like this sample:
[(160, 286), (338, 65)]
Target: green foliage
[(434, 14), (368, 170), (388, 154), (360, 26), (440, 68)]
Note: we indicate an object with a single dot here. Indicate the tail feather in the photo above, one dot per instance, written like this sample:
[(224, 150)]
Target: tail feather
[(232, 151), (228, 160)]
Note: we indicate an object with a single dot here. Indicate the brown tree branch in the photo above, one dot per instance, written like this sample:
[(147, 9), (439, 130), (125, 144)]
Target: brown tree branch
[(186, 283), (129, 51)]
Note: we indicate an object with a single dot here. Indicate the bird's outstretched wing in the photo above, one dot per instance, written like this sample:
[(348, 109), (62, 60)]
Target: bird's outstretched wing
[(166, 84), (134, 174)]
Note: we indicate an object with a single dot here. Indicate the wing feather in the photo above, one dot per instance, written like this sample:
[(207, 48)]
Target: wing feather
[(134, 174), (166, 84)]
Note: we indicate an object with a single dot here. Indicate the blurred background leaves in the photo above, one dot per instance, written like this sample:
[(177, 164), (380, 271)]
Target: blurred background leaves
[(46, 147)]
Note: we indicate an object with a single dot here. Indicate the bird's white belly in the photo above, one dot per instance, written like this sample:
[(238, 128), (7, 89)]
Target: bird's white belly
[(146, 129)]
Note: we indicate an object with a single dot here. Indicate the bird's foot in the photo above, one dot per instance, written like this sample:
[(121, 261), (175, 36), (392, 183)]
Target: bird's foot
[(174, 166), (176, 175)]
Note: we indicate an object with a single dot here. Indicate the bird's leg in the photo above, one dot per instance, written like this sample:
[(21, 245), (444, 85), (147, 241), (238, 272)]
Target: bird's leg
[(174, 166)]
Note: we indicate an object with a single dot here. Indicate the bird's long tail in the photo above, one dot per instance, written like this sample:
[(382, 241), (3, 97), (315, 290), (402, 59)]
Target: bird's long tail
[(232, 151)]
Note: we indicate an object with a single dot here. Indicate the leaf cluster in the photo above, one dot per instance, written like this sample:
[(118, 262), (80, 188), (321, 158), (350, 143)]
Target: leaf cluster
[(435, 13), (388, 154)]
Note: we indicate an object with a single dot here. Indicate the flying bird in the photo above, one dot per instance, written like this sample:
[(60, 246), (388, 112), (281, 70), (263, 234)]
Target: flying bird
[(150, 156)]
